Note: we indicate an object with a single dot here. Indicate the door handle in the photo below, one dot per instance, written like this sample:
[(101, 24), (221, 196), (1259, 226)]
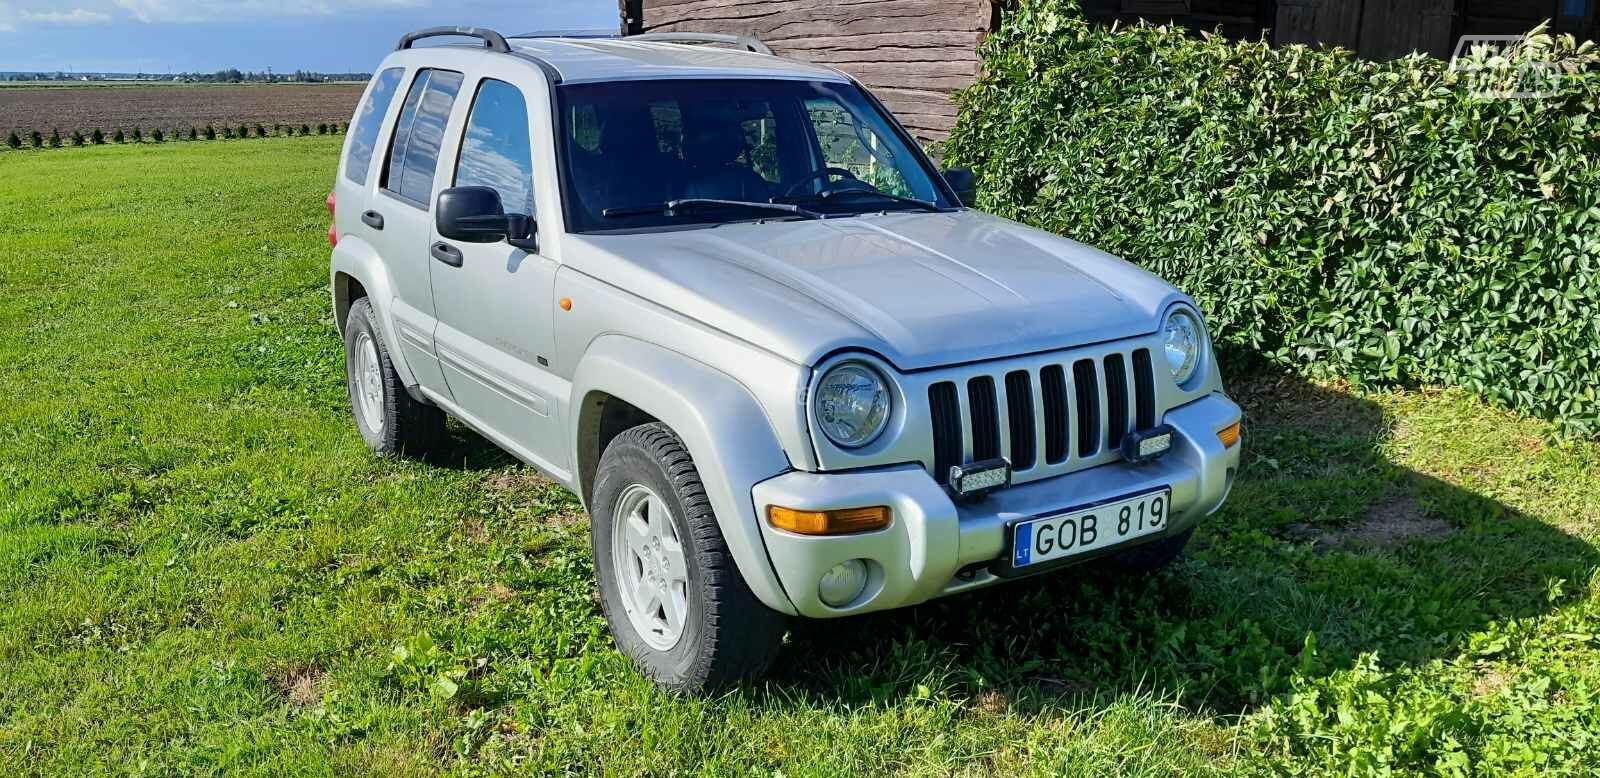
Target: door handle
[(372, 219), (446, 253)]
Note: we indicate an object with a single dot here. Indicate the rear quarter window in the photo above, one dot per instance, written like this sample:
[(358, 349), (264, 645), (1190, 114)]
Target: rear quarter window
[(414, 147), (368, 121)]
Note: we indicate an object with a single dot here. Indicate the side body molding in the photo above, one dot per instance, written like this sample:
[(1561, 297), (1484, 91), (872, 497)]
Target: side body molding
[(357, 259), (724, 427)]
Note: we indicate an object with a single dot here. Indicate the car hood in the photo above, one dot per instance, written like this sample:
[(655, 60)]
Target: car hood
[(919, 289)]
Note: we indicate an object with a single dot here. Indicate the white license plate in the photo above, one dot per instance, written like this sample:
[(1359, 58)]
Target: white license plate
[(1084, 530)]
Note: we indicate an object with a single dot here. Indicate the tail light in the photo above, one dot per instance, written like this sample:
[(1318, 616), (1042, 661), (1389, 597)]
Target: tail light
[(333, 227)]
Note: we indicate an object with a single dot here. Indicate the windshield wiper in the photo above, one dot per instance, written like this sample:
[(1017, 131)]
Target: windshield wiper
[(842, 193), (673, 207)]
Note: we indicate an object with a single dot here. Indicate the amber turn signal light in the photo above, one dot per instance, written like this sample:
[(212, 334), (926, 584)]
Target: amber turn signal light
[(836, 522), (1229, 435)]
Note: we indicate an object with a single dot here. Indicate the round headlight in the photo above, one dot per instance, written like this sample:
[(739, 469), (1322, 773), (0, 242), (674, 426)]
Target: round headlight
[(852, 404), (1182, 337)]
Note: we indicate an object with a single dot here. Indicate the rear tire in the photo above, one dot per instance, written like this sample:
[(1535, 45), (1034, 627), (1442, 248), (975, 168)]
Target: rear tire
[(390, 420), (1152, 556), (676, 602)]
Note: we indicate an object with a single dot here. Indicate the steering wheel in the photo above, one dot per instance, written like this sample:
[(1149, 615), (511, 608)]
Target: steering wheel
[(823, 174)]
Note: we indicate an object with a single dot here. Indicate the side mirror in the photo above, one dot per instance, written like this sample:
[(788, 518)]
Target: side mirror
[(965, 182), (474, 214)]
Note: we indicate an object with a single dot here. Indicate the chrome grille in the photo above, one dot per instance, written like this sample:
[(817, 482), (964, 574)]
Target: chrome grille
[(1075, 412)]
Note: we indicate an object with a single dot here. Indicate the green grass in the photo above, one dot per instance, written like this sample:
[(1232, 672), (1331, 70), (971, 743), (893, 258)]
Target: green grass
[(203, 569)]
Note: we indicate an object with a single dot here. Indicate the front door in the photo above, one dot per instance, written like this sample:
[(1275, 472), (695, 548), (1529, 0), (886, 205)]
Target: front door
[(494, 304)]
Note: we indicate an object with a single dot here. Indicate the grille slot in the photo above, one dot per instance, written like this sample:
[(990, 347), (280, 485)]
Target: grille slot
[(1116, 400), (945, 411), (1086, 388), (1046, 417), (1144, 390), (1019, 407), (1053, 385), (985, 418)]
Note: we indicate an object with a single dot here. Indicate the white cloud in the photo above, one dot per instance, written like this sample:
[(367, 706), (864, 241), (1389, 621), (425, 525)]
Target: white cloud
[(181, 11), (15, 14), (74, 16)]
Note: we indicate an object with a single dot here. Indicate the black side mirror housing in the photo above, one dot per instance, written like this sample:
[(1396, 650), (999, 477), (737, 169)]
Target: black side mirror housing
[(474, 214), (965, 182)]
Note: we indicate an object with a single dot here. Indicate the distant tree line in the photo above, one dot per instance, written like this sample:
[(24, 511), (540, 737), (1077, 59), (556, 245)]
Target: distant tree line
[(38, 140), (226, 76)]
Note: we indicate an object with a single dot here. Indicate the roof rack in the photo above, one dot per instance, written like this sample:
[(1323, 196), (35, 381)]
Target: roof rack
[(571, 34), (492, 40), (745, 42)]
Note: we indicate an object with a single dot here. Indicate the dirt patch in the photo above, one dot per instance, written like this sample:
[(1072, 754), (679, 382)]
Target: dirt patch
[(301, 685), (517, 480), (990, 703), (1388, 524), (475, 529), (1489, 680), (1395, 521)]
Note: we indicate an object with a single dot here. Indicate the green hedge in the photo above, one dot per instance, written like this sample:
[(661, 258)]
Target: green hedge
[(1376, 221)]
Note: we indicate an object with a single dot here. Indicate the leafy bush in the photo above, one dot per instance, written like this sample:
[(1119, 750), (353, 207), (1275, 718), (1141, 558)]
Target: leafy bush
[(77, 138), (156, 135), (97, 137), (322, 128), (1373, 220), (55, 139), (211, 132), (13, 141), (138, 135), (261, 131), (305, 129), (35, 139), (118, 137)]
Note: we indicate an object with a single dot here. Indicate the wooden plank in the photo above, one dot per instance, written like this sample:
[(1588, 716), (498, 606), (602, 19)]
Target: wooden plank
[(886, 44), (1328, 22)]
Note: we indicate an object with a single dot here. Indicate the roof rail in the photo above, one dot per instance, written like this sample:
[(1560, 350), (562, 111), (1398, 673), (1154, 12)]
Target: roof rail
[(745, 42), (571, 34), (492, 40)]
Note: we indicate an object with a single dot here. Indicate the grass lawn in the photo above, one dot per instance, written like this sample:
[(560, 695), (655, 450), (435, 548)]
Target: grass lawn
[(202, 569)]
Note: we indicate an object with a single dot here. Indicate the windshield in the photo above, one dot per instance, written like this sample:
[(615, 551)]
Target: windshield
[(642, 154)]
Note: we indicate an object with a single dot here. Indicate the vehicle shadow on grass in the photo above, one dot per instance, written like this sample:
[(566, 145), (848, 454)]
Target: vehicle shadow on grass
[(1323, 535)]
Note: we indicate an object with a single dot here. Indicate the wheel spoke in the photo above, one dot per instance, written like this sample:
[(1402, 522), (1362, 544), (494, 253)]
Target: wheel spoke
[(638, 535), (676, 568), (660, 519), (672, 606)]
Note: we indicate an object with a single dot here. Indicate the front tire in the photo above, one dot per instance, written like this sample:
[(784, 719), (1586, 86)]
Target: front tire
[(672, 594), (390, 420)]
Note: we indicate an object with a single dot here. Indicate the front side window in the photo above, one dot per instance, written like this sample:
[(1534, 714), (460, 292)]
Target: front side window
[(855, 146), (630, 148), (495, 151), (418, 134), (365, 135)]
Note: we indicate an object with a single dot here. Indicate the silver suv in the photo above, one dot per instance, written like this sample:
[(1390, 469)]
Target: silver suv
[(728, 301)]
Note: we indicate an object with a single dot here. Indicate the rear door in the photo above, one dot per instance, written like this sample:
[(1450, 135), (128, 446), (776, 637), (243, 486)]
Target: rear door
[(495, 312), (401, 215)]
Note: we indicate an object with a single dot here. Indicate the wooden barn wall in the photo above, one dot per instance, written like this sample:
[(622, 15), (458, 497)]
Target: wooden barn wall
[(911, 53)]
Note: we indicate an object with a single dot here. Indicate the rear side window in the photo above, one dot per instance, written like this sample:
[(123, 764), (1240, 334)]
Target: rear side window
[(368, 122), (414, 149), (496, 151)]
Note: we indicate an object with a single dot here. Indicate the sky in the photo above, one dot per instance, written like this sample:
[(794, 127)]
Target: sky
[(162, 36)]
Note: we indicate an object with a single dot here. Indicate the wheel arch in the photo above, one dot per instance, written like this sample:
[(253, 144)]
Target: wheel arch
[(356, 271), (727, 432)]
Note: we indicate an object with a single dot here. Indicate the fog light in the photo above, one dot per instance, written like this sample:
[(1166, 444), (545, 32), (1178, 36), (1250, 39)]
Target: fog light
[(843, 583)]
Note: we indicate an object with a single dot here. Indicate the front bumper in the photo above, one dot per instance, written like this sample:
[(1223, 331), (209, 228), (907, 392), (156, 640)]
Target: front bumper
[(934, 547)]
